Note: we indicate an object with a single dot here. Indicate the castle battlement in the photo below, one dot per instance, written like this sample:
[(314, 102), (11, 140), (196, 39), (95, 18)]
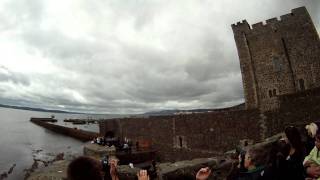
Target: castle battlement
[(286, 17), (241, 26), (245, 27), (272, 21), (240, 23), (258, 25)]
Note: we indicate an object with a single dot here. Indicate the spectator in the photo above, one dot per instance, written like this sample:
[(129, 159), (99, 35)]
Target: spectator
[(293, 167), (311, 131), (293, 138), (276, 161), (84, 168), (254, 163), (238, 167), (312, 161)]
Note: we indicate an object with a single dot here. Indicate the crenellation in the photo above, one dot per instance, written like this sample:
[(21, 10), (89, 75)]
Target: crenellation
[(299, 11), (244, 21), (240, 23), (272, 21), (242, 26), (258, 26), (286, 17)]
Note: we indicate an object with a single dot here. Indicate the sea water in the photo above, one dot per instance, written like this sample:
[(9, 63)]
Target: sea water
[(21, 140)]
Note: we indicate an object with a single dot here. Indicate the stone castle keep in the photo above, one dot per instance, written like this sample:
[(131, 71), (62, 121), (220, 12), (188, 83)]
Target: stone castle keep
[(280, 66), (277, 58)]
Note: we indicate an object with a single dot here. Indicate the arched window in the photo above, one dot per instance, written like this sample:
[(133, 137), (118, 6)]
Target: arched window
[(274, 93), (270, 93), (180, 141)]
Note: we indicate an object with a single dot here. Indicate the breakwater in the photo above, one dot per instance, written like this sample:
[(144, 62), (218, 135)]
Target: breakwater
[(71, 132), (44, 119)]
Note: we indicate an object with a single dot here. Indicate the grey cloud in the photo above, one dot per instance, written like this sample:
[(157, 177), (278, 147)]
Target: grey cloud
[(21, 13), (135, 56), (16, 78), (54, 44)]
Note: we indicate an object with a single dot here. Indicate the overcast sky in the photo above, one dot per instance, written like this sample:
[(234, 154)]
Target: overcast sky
[(127, 56)]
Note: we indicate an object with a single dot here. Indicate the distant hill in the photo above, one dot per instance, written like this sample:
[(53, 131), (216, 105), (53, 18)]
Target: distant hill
[(36, 109), (151, 113), (162, 113), (178, 111)]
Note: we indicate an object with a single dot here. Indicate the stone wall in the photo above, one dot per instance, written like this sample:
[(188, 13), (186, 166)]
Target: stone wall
[(296, 109), (182, 137), (190, 136)]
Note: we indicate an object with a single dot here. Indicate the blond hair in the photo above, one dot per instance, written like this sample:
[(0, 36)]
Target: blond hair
[(312, 129)]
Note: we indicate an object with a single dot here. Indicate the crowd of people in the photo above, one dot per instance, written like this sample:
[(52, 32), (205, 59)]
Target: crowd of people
[(110, 140), (287, 158)]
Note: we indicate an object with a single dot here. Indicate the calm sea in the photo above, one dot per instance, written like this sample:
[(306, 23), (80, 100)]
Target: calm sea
[(21, 140)]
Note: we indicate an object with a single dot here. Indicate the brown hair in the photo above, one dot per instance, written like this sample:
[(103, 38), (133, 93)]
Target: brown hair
[(84, 168), (259, 155)]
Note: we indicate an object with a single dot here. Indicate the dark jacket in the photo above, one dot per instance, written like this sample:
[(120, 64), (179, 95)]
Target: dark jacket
[(293, 168), (254, 174), (275, 169)]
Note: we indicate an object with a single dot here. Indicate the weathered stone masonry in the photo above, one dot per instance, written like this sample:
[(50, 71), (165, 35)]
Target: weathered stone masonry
[(277, 58), (189, 136)]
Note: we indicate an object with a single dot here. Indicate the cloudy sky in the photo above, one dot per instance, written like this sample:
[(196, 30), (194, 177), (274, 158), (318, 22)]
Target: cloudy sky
[(127, 56)]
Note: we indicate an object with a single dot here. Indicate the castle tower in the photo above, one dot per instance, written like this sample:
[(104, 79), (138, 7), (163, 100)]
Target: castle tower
[(277, 58)]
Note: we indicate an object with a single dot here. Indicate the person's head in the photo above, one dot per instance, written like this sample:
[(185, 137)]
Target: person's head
[(279, 151), (294, 138), (83, 168), (312, 129), (255, 156), (283, 148)]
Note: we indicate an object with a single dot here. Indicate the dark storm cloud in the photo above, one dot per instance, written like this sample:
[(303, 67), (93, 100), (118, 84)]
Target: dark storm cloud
[(127, 56)]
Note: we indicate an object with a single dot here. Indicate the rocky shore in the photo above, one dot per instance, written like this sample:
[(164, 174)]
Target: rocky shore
[(6, 174)]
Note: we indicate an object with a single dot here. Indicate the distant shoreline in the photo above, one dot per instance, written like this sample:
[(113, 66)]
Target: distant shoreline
[(38, 109)]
